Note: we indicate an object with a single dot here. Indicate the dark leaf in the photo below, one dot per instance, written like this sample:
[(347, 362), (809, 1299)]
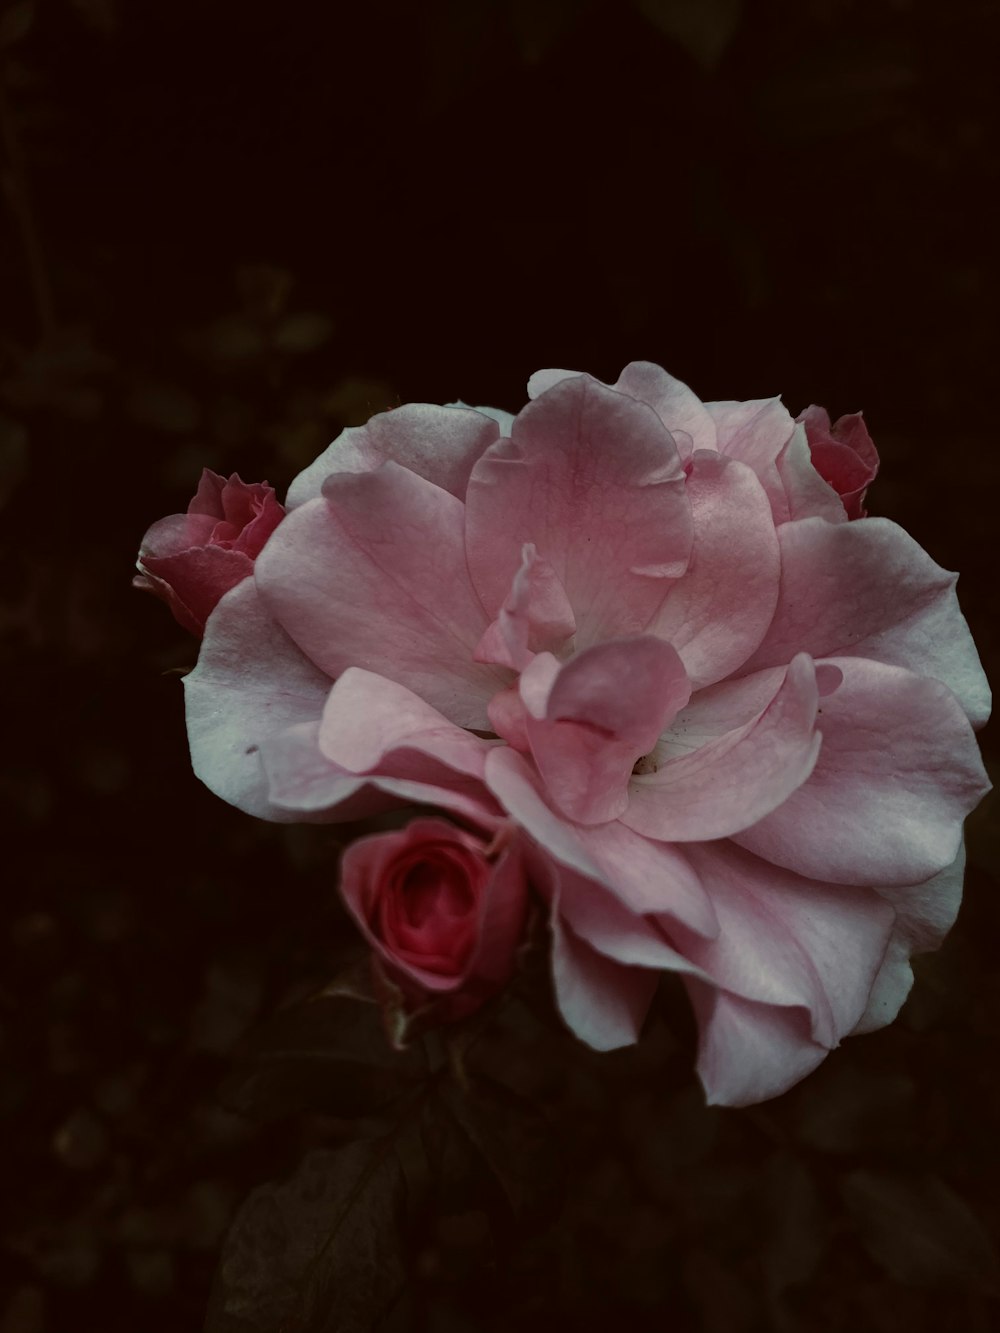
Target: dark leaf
[(510, 1135), (328, 1055), (318, 1253), (921, 1231)]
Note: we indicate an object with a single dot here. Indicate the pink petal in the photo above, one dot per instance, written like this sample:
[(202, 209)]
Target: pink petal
[(808, 495), (601, 1002), (440, 444), (674, 403), (535, 616), (681, 411), (924, 915), (749, 1052), (717, 614), (733, 780), (597, 917), (515, 784), (251, 682), (374, 575), (593, 480), (784, 940), (605, 709), (646, 877), (302, 781), (868, 590), (649, 878), (898, 772), (367, 716), (756, 432), (193, 582)]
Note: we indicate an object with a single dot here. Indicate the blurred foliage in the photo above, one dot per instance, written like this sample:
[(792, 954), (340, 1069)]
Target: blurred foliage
[(228, 233)]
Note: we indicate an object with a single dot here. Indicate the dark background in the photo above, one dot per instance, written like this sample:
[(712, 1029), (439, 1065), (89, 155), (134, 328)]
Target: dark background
[(231, 229)]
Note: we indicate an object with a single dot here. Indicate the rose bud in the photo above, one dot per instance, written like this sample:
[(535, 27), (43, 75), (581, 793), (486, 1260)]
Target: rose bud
[(843, 454), (191, 560), (443, 914)]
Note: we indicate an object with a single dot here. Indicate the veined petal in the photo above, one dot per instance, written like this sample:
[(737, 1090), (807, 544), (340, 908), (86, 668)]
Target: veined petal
[(868, 590), (718, 612), (898, 772), (373, 575), (730, 782), (440, 444), (251, 683), (592, 479)]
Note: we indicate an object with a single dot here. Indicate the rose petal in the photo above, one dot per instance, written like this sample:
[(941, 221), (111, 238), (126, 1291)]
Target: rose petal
[(366, 716), (601, 1002), (808, 495), (374, 575), (924, 915), (898, 772), (440, 444), (732, 781), (251, 682), (717, 614), (868, 590), (784, 940), (604, 710), (749, 1052), (756, 432), (592, 479)]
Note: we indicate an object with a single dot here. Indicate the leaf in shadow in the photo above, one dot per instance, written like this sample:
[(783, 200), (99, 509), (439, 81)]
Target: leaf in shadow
[(920, 1231), (318, 1253), (511, 1136), (328, 1055)]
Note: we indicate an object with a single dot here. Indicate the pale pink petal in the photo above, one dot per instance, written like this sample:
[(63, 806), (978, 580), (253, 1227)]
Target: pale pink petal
[(868, 590), (680, 409), (730, 782), (301, 779), (515, 784), (749, 1052), (604, 711), (601, 1001), (717, 614), (924, 915), (536, 616), (599, 918), (649, 878), (592, 479), (251, 682), (440, 444), (366, 716), (808, 495), (756, 432), (374, 575), (784, 940), (898, 772), (503, 419)]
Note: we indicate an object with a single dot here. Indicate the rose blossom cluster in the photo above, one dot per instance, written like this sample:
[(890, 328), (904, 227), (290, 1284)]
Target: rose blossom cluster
[(649, 665)]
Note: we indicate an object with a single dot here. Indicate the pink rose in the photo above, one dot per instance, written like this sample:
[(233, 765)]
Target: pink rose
[(189, 560), (734, 728), (843, 454), (442, 910)]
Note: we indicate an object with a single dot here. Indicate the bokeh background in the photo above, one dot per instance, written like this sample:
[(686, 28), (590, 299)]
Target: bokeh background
[(229, 230)]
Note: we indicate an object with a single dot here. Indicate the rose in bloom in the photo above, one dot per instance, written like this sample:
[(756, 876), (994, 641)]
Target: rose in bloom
[(733, 729), (442, 912), (190, 560)]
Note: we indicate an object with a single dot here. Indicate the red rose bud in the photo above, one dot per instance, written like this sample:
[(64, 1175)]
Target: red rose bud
[(843, 454), (443, 917), (192, 560)]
